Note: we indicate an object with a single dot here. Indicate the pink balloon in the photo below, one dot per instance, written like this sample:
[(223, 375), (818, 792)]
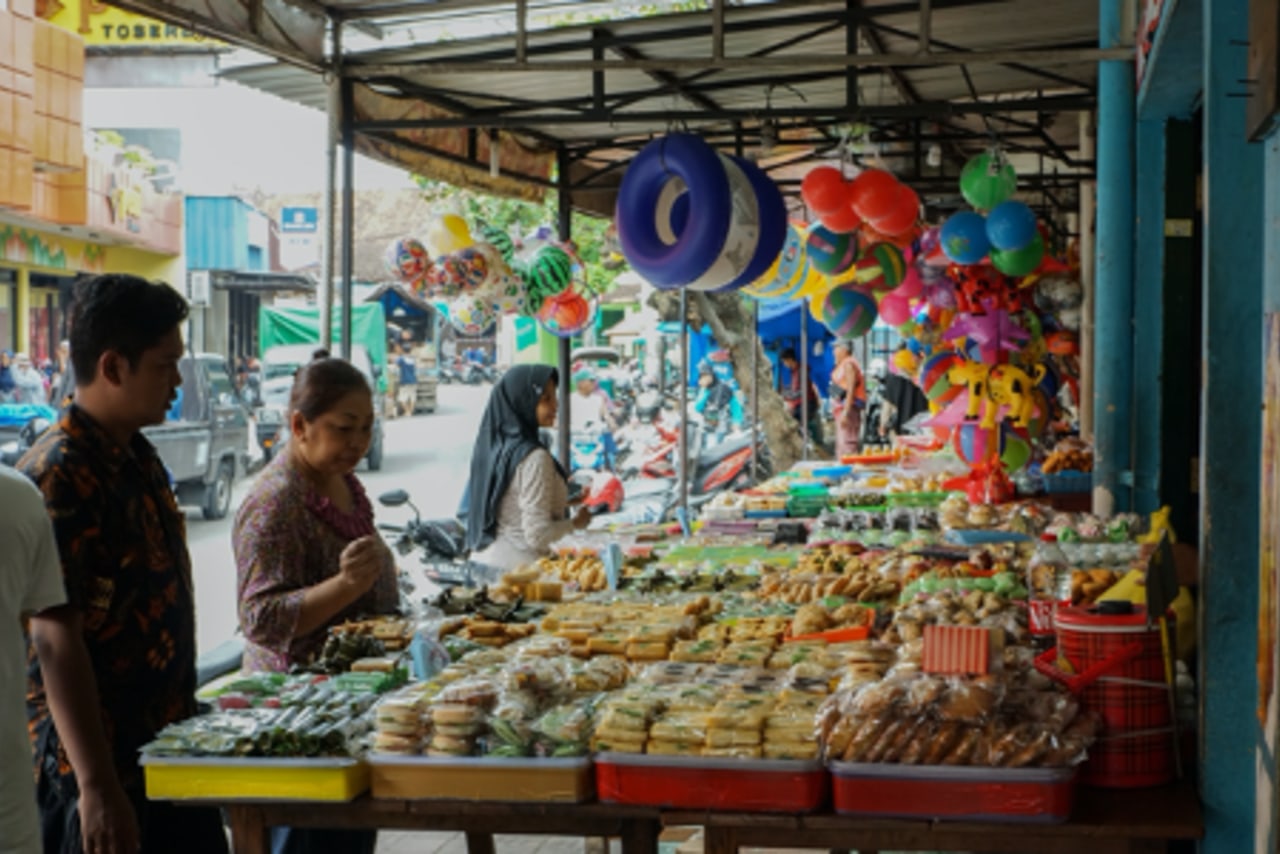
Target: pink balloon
[(912, 285), (895, 310)]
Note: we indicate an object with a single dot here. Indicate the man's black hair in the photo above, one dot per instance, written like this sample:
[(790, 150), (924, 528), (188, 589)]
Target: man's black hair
[(788, 355), (119, 312)]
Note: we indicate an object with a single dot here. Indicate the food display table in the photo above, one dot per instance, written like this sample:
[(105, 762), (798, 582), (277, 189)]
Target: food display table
[(1142, 821)]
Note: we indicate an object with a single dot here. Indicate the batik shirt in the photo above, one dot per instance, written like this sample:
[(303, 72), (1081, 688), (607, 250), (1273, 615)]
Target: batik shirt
[(288, 538), (122, 544)]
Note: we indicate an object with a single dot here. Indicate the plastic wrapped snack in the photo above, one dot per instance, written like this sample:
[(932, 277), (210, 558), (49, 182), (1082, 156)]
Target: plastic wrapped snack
[(565, 730)]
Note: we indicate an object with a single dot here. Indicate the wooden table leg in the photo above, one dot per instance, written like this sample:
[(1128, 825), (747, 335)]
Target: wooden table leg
[(640, 836), (480, 843), (719, 840), (249, 832)]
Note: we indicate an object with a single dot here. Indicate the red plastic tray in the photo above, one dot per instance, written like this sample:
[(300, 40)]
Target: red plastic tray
[(952, 792), (745, 785)]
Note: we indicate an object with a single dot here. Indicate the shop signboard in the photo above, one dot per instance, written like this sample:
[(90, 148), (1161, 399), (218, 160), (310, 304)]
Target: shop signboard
[(106, 26), (299, 237)]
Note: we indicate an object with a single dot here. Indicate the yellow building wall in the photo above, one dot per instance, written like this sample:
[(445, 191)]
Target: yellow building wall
[(27, 250)]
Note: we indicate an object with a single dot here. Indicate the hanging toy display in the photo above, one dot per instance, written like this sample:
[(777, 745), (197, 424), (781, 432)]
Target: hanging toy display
[(499, 239), (830, 253), (964, 238), (471, 316), (848, 312), (407, 260), (727, 230), (566, 314), (987, 180)]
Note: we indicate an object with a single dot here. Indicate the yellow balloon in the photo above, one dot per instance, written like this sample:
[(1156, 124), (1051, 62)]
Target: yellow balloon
[(816, 302), (763, 287), (448, 234), (905, 361)]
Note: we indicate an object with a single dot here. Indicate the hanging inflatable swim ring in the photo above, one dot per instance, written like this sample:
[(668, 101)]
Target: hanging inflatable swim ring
[(720, 232)]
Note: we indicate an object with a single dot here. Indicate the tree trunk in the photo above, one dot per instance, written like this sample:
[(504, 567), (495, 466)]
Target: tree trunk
[(729, 316)]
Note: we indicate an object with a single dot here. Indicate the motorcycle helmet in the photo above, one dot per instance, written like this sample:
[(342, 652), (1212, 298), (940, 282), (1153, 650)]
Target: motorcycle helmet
[(648, 405)]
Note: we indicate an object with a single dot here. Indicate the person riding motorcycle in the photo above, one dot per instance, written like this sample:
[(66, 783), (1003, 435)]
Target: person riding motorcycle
[(591, 411), (717, 398)]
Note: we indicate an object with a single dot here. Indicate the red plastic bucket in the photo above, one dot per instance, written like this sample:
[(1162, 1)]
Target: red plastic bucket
[(1118, 662)]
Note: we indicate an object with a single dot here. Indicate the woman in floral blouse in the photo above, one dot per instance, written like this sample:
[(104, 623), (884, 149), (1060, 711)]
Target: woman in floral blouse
[(307, 553)]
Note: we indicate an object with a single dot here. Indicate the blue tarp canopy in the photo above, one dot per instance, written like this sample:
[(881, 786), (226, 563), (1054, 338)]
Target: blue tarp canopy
[(18, 414), (780, 321)]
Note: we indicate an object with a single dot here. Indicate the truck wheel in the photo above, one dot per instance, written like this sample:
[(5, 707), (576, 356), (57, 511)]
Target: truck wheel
[(217, 495), (375, 455)]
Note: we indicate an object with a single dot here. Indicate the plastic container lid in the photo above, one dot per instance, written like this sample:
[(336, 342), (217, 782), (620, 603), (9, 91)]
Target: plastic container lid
[(1093, 619)]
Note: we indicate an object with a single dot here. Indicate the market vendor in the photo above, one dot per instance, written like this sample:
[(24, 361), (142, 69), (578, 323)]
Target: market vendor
[(307, 553), (518, 496)]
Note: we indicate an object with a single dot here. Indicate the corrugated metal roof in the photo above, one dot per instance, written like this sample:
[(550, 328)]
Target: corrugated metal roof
[(811, 91)]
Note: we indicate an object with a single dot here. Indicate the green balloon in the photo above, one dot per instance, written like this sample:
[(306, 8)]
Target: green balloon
[(986, 181), (1017, 452), (1019, 262)]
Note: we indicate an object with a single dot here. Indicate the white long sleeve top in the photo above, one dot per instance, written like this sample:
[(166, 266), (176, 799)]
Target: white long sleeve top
[(531, 515)]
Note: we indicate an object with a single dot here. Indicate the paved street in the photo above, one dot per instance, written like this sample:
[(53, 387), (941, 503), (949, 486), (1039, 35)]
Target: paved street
[(428, 455)]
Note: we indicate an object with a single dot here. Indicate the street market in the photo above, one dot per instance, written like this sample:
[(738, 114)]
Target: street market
[(935, 507)]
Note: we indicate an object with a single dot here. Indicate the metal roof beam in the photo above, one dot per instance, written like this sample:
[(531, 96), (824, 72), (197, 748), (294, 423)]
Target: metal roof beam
[(1044, 56), (662, 118), (391, 139), (666, 78), (1012, 66)]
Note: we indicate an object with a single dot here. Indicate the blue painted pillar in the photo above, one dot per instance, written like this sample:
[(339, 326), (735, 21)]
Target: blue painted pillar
[(1231, 404), (1113, 277), (1148, 314)]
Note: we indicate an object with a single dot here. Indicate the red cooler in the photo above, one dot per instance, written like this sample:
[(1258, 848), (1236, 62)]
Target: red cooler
[(1115, 662)]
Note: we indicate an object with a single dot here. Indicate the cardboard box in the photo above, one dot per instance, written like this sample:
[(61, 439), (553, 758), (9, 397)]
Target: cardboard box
[(6, 118), (44, 91), (23, 84), (24, 123), (73, 203), (75, 146), (43, 136), (58, 88), (23, 173), (44, 43), (75, 58), (24, 37), (75, 101), (6, 80), (23, 8), (59, 49), (6, 39), (57, 145), (6, 176), (962, 650)]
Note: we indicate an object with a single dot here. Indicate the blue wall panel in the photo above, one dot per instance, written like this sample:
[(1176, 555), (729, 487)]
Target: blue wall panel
[(217, 233)]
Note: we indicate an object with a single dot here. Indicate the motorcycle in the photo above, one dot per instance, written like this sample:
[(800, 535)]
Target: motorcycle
[(12, 451), (442, 543), (588, 451), (654, 495)]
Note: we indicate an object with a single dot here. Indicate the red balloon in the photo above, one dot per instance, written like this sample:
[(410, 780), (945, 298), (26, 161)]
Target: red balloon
[(874, 194), (843, 220), (903, 217), (823, 190)]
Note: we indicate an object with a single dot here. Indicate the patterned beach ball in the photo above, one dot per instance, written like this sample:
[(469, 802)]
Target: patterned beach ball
[(848, 312)]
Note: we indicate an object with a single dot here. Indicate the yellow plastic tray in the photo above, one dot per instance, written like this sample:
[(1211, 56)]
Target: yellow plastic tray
[(183, 778), (566, 781)]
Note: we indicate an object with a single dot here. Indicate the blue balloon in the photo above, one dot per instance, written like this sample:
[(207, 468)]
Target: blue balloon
[(1011, 225), (964, 238)]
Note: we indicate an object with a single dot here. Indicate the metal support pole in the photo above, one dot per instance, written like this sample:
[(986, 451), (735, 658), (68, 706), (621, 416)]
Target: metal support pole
[(333, 138), (804, 382), (755, 387), (522, 31), (717, 30), (564, 230), (1231, 401), (926, 26), (1113, 299), (348, 211), (1087, 213), (682, 468), (1148, 316)]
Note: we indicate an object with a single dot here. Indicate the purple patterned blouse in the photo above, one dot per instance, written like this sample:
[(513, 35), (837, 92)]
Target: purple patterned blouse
[(288, 538)]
